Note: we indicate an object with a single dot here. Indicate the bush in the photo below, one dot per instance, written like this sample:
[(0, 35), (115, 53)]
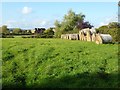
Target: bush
[(7, 36)]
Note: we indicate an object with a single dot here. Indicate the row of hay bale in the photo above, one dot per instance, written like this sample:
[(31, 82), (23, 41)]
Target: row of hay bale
[(89, 35), (70, 36)]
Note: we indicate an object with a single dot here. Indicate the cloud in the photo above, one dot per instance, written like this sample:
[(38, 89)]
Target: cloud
[(40, 23), (23, 23), (108, 20), (10, 23), (26, 10)]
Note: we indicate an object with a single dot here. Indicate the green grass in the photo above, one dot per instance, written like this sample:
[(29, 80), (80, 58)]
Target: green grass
[(42, 63)]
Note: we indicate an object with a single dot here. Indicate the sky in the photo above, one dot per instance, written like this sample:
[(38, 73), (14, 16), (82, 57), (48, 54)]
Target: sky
[(29, 15)]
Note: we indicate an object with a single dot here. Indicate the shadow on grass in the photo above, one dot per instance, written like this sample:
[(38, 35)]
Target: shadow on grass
[(84, 80)]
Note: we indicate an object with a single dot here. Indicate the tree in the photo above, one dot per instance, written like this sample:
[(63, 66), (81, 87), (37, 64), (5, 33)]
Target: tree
[(114, 25), (4, 30), (29, 32), (57, 28), (49, 33), (17, 31), (24, 32), (57, 24), (71, 23), (71, 20), (82, 25), (102, 29)]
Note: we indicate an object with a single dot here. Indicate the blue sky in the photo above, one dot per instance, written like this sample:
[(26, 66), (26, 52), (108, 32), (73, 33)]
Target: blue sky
[(43, 14)]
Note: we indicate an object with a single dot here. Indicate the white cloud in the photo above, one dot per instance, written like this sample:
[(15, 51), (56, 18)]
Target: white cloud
[(26, 10), (11, 21), (40, 22), (23, 23), (44, 23), (108, 20)]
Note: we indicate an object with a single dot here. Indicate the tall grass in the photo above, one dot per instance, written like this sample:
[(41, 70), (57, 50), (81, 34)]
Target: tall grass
[(41, 63)]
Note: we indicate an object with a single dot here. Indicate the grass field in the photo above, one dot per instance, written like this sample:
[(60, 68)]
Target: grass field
[(57, 63)]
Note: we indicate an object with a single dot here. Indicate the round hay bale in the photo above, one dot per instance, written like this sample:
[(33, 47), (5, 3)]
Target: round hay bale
[(73, 36), (107, 38), (88, 36), (98, 39), (93, 37)]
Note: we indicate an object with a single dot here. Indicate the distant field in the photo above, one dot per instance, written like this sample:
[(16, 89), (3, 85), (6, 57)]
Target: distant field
[(56, 63)]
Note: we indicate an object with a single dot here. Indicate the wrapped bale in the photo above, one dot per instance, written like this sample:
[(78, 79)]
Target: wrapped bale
[(98, 39), (103, 38), (85, 30), (107, 38), (74, 36), (85, 34), (84, 38), (88, 36), (81, 35), (67, 36), (63, 36), (92, 30), (93, 37)]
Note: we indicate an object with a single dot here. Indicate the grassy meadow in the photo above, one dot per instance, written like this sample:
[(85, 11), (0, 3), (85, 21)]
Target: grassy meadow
[(57, 63)]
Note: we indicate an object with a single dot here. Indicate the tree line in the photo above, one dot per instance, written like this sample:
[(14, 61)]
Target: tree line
[(5, 32), (16, 31)]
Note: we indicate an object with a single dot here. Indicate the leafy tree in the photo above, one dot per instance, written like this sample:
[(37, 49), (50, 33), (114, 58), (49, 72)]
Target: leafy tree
[(102, 29), (71, 23), (84, 25), (24, 32), (17, 31), (57, 24), (4, 30), (114, 25), (49, 33), (29, 32), (57, 28)]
